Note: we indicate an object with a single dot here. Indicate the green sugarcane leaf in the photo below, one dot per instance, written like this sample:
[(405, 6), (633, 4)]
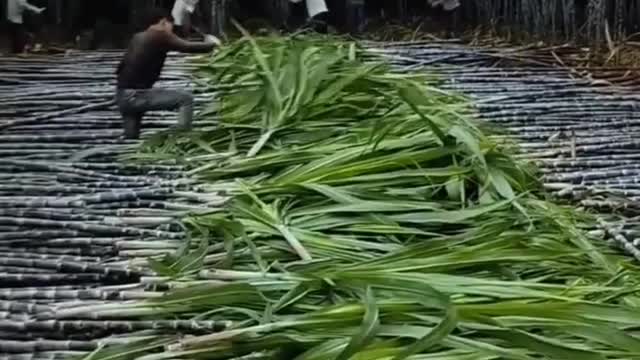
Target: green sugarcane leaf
[(293, 241), (182, 251), (381, 130), (317, 75), (295, 294), (132, 350), (161, 268), (453, 187), (336, 194), (368, 330), (307, 172), (464, 136), (352, 52), (194, 260), (202, 144), (426, 175), (242, 105), (413, 95), (229, 247), (487, 348), (243, 210), (208, 295), (262, 61), (550, 348), (606, 335), (448, 217), (365, 206), (405, 286), (255, 252), (485, 196), (433, 337), (233, 145), (333, 89), (501, 184), (324, 351)]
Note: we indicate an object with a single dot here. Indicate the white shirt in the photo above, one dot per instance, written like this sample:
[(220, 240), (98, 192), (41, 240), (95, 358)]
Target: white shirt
[(15, 9), (182, 8)]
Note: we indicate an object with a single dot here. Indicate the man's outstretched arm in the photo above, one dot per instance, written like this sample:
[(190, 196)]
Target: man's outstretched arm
[(25, 4), (177, 44)]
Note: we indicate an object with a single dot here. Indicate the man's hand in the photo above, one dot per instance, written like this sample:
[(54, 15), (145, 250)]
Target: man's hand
[(212, 40), (41, 10)]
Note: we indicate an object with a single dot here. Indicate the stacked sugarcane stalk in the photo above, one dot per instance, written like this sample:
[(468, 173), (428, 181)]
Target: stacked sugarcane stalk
[(370, 217), (76, 223)]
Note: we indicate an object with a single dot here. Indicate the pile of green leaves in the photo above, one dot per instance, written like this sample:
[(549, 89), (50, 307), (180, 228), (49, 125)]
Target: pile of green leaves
[(370, 219)]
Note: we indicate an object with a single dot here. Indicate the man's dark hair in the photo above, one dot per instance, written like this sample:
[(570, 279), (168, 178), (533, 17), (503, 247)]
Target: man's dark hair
[(154, 16)]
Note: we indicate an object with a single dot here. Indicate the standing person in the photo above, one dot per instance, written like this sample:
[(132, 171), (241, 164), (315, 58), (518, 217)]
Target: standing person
[(182, 11), (355, 15), (318, 14), (17, 31), (141, 66)]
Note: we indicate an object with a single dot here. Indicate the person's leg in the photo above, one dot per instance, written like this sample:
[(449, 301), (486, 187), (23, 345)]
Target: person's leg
[(131, 124), (163, 99), (131, 120), (178, 30), (12, 37), (320, 23), (23, 38), (140, 101), (185, 115), (18, 37)]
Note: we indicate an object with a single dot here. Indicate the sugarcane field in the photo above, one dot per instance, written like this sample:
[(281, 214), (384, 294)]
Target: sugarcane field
[(320, 180)]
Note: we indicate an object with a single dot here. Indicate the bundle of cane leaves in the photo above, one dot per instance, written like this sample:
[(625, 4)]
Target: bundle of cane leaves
[(374, 222), (383, 309), (299, 91)]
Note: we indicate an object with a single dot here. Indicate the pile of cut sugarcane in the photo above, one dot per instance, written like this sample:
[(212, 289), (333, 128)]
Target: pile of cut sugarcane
[(76, 223), (367, 219), (581, 132), (370, 218)]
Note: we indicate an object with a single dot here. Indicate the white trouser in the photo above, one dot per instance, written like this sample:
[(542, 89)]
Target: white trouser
[(314, 7), (448, 5)]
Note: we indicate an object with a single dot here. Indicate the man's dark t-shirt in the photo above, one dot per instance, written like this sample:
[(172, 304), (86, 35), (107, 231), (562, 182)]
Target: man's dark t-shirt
[(143, 62)]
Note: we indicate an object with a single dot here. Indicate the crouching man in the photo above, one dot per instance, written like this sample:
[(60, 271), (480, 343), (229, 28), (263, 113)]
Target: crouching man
[(141, 66)]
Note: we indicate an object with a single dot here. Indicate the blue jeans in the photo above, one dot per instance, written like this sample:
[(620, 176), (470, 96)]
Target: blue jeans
[(133, 103)]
